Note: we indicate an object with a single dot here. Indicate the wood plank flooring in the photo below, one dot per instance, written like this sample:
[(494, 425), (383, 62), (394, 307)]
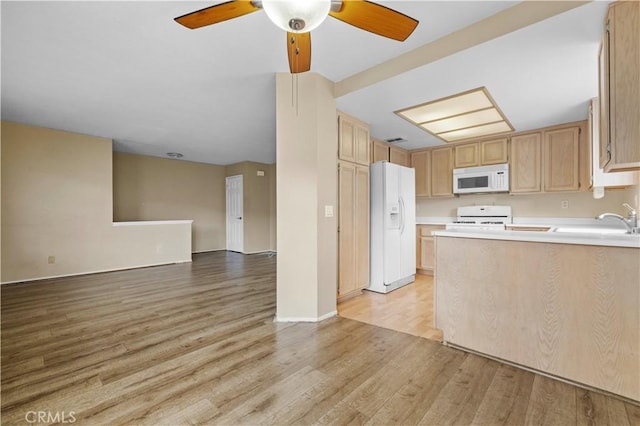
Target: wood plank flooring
[(196, 344), (408, 309)]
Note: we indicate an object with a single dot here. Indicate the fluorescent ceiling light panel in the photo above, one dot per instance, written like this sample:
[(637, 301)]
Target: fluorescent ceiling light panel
[(476, 132), (463, 116)]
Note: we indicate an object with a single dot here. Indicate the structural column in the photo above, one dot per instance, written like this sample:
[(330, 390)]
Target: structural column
[(307, 138)]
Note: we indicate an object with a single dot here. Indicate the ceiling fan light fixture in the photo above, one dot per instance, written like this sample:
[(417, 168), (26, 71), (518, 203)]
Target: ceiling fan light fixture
[(297, 16)]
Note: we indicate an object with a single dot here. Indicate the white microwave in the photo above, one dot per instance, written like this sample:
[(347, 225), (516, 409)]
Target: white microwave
[(471, 180)]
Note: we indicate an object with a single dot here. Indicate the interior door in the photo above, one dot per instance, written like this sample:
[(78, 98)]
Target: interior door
[(235, 221)]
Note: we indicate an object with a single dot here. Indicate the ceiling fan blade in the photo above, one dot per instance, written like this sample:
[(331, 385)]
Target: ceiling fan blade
[(299, 52), (218, 13), (376, 18)]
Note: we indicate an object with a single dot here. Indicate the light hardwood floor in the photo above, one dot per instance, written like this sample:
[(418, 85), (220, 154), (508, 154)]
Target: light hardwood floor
[(196, 343), (408, 309)]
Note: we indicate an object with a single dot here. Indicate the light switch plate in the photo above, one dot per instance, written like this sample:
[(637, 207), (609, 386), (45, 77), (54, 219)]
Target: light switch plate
[(328, 211)]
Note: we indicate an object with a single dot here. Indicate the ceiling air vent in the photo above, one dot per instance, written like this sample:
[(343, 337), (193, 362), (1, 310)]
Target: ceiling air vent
[(396, 140)]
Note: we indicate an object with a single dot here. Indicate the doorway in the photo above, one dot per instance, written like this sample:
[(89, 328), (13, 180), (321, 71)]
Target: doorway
[(235, 221)]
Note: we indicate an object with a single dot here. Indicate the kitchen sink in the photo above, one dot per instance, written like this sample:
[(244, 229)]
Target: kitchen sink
[(589, 230)]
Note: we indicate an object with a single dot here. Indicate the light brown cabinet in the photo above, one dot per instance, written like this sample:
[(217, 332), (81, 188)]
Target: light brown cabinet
[(353, 231), (551, 160), (620, 88), (481, 153), (561, 153), (379, 151), (442, 172), (466, 155), (353, 140), (494, 151), (425, 253), (421, 162), (399, 156), (525, 164)]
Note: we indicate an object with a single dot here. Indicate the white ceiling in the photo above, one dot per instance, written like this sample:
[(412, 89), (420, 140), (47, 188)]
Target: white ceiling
[(127, 71)]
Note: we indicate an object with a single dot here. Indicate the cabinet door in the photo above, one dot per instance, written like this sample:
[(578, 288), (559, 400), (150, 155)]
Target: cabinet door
[(346, 230), (561, 159), (603, 99), (362, 144), (442, 172), (399, 156), (421, 162), (353, 140), (624, 86), (361, 217), (379, 151), (493, 152), (426, 253), (353, 220), (525, 163), (466, 155)]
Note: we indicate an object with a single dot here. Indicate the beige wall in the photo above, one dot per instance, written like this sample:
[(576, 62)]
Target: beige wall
[(306, 150), (258, 214), (151, 188), (57, 201), (581, 204)]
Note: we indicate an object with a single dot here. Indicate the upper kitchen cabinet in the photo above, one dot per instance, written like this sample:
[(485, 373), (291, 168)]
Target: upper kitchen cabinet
[(553, 159), (353, 140), (525, 165), (494, 151), (466, 155), (483, 153), (442, 172), (421, 162), (379, 151), (561, 153), (620, 88), (399, 156)]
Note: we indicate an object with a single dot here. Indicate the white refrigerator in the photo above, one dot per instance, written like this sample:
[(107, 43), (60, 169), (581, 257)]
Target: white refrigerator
[(393, 227)]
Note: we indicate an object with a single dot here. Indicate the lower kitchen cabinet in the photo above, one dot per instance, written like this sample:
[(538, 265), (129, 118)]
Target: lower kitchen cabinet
[(353, 228), (425, 253)]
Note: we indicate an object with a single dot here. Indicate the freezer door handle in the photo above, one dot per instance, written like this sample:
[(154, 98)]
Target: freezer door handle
[(402, 211)]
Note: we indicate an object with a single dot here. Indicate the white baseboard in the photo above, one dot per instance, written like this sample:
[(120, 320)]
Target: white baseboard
[(306, 319), (28, 280)]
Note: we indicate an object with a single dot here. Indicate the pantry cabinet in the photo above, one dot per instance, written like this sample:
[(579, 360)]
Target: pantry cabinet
[(353, 140), (353, 231), (442, 172), (421, 162), (620, 88)]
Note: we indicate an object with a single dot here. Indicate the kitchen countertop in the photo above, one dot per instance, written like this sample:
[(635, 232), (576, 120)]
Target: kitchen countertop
[(591, 239)]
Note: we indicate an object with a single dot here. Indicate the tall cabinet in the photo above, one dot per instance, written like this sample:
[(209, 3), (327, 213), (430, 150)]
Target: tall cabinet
[(353, 205), (620, 88)]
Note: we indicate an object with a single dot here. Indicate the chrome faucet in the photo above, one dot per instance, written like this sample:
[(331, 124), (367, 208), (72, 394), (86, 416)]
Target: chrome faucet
[(631, 222)]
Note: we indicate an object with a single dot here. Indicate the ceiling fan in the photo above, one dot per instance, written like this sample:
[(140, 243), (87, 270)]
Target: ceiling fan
[(299, 17)]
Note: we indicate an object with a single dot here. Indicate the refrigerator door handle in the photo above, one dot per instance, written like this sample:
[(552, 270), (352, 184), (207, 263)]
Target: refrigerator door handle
[(402, 219)]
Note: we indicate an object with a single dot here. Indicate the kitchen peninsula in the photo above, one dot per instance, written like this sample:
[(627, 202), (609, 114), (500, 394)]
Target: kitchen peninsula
[(562, 304)]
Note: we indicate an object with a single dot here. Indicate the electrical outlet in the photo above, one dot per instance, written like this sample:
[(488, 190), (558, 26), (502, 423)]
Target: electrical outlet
[(564, 204), (260, 173), (51, 260)]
